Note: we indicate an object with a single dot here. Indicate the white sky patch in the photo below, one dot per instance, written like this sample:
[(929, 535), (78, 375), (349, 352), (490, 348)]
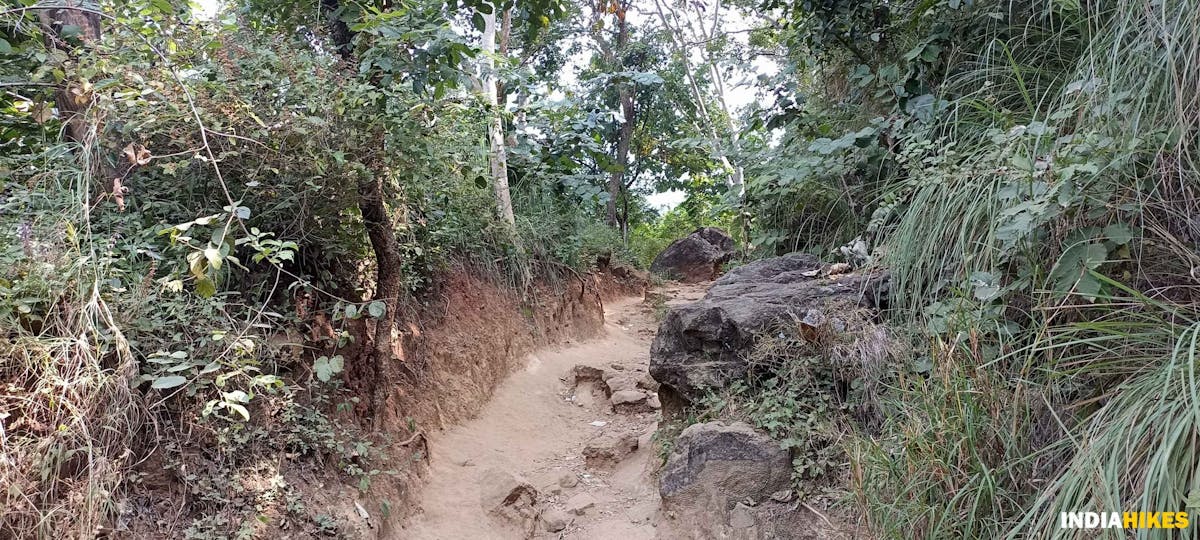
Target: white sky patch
[(206, 9), (666, 200)]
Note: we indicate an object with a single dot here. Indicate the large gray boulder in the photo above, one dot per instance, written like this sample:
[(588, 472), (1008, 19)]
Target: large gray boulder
[(695, 257), (705, 345), (716, 465), (720, 477)]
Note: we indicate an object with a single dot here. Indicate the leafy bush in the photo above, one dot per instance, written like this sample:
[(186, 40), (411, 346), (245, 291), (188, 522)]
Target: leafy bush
[(208, 202), (1022, 170)]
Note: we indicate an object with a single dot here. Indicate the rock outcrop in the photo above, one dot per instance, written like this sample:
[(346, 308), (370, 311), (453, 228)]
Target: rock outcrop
[(510, 498), (628, 392), (705, 344), (630, 402), (606, 450), (695, 257), (715, 465), (720, 481)]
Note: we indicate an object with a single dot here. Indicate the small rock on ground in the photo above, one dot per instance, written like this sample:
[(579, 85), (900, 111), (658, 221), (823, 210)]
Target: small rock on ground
[(606, 450), (653, 402), (554, 521), (580, 503), (509, 497)]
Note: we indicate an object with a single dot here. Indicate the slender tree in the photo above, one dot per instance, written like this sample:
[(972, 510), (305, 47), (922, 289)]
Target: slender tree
[(377, 220), (497, 150), (685, 30), (613, 54)]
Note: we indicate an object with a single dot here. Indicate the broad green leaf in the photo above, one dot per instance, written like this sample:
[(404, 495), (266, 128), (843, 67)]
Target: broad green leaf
[(213, 255), (170, 381), (1119, 233), (1073, 266), (326, 367), (1088, 286), (322, 369), (241, 410), (986, 286), (1193, 499), (197, 265), (377, 309)]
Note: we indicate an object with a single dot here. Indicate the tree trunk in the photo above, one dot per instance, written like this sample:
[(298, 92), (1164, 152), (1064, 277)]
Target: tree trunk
[(624, 225), (502, 50), (377, 221), (71, 100), (497, 149), (616, 179), (510, 139), (519, 118), (339, 31)]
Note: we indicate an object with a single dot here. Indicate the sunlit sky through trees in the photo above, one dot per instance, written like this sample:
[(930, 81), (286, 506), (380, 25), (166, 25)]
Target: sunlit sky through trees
[(741, 91)]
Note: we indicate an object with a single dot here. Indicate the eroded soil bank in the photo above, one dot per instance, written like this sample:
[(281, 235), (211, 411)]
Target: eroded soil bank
[(552, 429), (450, 353)]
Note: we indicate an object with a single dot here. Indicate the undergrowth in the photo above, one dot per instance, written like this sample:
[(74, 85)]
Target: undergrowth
[(810, 388), (1026, 172), (183, 250)]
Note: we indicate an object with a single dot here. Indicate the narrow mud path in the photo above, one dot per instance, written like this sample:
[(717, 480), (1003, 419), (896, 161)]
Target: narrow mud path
[(536, 427)]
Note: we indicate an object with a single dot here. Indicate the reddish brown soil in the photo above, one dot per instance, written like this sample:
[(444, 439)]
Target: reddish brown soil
[(536, 427), (452, 356)]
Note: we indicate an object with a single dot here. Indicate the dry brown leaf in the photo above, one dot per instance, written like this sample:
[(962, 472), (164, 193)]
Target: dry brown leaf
[(80, 95), (42, 112), (118, 193), (136, 154)]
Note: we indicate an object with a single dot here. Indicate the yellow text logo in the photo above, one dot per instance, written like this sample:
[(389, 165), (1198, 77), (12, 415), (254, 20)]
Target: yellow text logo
[(1123, 520)]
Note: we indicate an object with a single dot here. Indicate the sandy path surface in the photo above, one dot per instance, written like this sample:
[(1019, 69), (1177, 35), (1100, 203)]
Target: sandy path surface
[(536, 427)]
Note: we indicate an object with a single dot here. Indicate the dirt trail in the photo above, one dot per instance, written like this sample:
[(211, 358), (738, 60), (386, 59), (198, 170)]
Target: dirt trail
[(536, 427)]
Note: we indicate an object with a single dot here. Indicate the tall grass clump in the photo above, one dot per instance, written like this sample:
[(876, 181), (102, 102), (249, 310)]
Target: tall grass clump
[(69, 411), (1138, 452), (1050, 214), (951, 459)]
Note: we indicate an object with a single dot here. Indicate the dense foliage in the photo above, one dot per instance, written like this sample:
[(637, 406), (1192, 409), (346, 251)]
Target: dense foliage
[(180, 191), (183, 195), (1026, 173)]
